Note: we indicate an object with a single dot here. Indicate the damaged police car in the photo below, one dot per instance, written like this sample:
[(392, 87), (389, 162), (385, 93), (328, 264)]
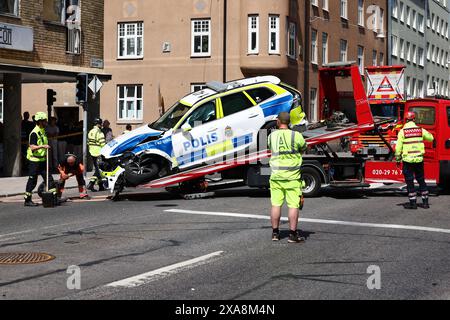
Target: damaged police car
[(203, 127)]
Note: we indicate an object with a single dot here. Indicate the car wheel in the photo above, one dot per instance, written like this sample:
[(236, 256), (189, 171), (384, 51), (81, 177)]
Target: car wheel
[(140, 171), (312, 181)]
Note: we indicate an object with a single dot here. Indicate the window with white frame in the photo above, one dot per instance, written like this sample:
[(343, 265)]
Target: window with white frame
[(414, 19), (324, 48), (313, 104), (394, 45), (131, 40), (421, 23), (443, 62), (428, 51), (201, 38), (325, 5), (129, 102), (292, 40), (343, 50), (421, 90), (402, 12), (433, 53), (446, 60), (442, 28), (361, 59), (408, 16), (253, 34), (408, 87), (421, 57), (408, 52), (402, 49), (414, 54), (1, 104), (9, 7), (395, 9), (361, 13), (314, 49), (315, 3), (274, 34), (374, 58), (446, 30), (344, 9), (198, 87)]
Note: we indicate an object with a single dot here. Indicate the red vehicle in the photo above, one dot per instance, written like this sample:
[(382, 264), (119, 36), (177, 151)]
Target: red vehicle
[(385, 91)]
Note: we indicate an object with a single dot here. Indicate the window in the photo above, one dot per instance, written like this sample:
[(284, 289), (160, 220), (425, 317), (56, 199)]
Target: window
[(428, 51), (58, 10), (408, 87), (343, 51), (313, 104), (408, 52), (421, 92), (402, 12), (344, 9), (381, 59), (361, 59), (314, 51), (414, 19), (171, 117), (402, 49), (395, 9), (131, 40), (361, 13), (203, 114), (414, 54), (130, 103), (421, 57), (408, 16), (201, 38), (325, 5), (292, 36), (235, 103), (197, 87), (324, 48), (424, 115), (394, 45), (9, 7), (253, 34), (374, 58), (315, 3), (274, 34), (421, 23), (1, 104), (260, 94)]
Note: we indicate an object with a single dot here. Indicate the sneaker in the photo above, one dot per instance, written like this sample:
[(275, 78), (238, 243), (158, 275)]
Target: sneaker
[(276, 236), (295, 238)]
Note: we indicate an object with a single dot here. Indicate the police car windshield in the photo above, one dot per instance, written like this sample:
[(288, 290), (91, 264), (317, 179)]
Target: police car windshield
[(171, 117)]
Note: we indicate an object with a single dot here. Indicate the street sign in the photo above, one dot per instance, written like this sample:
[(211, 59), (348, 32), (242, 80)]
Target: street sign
[(95, 85)]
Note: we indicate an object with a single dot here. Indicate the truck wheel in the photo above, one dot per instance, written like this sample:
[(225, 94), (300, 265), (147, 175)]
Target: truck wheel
[(312, 181)]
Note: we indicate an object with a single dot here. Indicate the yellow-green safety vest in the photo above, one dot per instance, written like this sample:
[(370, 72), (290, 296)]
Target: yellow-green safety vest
[(297, 116), (96, 141), (286, 147), (410, 143), (40, 154)]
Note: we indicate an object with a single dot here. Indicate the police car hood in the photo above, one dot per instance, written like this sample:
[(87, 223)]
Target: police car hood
[(129, 141)]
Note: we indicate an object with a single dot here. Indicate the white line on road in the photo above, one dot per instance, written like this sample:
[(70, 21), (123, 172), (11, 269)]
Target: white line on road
[(165, 271), (321, 221)]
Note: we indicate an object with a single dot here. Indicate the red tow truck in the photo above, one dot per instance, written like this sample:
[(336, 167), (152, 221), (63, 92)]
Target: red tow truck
[(385, 91), (326, 167)]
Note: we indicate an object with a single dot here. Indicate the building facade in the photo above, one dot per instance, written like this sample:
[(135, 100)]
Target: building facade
[(42, 42), (156, 58)]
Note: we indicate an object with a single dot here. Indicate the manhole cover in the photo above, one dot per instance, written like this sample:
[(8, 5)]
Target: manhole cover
[(24, 258)]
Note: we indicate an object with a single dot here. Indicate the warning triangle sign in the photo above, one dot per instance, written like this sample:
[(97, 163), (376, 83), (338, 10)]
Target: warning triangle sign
[(385, 86)]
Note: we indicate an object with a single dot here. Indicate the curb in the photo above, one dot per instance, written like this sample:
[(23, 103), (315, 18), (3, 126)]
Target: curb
[(22, 193)]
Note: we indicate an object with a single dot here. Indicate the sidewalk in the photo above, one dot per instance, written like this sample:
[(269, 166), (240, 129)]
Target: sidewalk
[(10, 187)]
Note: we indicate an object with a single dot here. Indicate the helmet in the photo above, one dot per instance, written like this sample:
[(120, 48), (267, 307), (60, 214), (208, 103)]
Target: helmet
[(410, 116), (40, 116), (98, 121)]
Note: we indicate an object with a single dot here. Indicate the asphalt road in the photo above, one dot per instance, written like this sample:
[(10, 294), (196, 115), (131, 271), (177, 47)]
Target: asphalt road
[(177, 249)]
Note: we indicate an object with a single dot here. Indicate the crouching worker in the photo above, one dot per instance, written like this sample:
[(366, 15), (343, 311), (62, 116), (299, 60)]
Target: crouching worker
[(68, 168)]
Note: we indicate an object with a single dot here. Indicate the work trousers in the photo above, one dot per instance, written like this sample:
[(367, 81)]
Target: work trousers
[(97, 178), (36, 169), (417, 171)]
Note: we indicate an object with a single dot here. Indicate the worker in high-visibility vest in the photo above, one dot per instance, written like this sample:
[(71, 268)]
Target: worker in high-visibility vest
[(411, 150), (286, 147), (96, 141), (37, 156)]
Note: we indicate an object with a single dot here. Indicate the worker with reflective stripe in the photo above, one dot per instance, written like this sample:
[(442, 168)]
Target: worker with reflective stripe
[(96, 141), (286, 147), (37, 156), (411, 149)]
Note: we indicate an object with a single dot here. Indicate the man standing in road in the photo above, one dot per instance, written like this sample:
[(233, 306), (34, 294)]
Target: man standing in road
[(37, 156), (96, 141), (286, 147), (411, 149)]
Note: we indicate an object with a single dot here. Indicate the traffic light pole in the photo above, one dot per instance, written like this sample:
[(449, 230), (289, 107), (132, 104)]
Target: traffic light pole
[(85, 135)]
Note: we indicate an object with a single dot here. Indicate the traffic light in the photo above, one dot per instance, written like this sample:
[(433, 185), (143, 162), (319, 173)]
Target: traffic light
[(51, 97), (82, 88)]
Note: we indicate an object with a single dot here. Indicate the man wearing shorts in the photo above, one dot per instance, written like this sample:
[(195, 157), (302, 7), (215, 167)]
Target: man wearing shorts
[(287, 147)]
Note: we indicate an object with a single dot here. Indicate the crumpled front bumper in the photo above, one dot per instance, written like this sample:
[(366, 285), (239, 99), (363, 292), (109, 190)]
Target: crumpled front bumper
[(112, 177)]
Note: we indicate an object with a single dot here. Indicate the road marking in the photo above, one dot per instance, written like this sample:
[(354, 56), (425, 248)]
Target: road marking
[(144, 278), (320, 221)]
